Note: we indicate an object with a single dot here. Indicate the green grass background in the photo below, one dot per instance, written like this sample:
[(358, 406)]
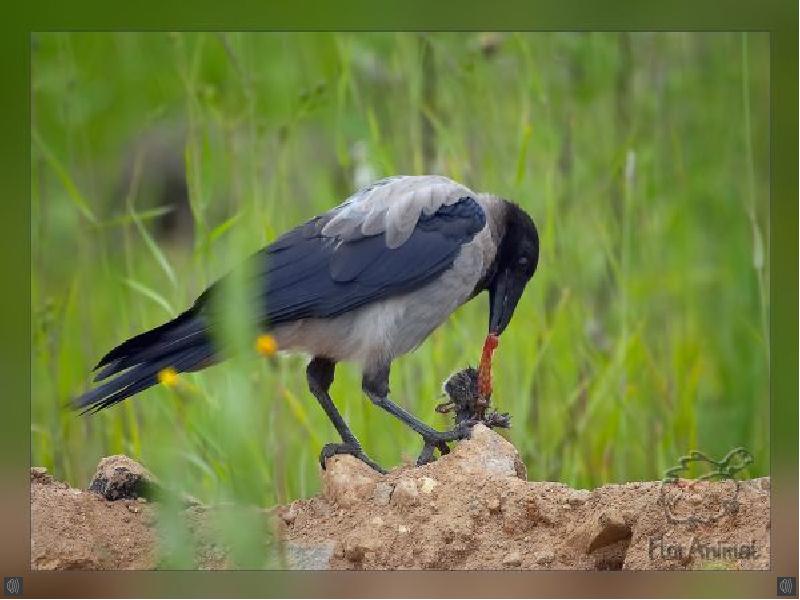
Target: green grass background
[(643, 158)]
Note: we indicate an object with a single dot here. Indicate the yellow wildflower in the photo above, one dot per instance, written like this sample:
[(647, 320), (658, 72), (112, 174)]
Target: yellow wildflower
[(266, 345), (168, 377)]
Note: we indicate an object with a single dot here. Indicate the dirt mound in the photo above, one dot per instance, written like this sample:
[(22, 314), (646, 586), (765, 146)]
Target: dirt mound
[(471, 509), (73, 529)]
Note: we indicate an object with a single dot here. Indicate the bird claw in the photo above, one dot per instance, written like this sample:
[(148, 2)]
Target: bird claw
[(439, 441), (333, 449)]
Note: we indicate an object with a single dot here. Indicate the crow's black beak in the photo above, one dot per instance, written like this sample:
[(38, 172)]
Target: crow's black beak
[(504, 294)]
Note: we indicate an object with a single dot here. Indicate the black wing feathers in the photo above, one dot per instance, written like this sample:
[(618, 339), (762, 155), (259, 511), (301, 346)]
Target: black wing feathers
[(307, 275), (181, 344)]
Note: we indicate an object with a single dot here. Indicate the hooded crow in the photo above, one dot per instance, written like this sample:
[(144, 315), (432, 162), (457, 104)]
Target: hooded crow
[(365, 282)]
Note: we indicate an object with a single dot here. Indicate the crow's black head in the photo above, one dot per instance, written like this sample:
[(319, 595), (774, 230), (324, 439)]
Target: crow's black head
[(514, 265)]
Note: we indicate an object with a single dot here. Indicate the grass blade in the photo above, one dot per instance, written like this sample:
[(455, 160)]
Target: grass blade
[(151, 294), (65, 179)]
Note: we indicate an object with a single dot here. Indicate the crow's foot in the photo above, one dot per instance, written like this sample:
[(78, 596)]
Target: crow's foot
[(438, 440), (330, 450)]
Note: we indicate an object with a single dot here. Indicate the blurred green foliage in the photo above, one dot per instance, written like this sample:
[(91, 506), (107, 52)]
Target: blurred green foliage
[(643, 158)]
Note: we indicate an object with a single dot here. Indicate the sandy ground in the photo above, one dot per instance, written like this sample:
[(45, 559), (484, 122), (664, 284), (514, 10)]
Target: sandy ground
[(472, 509)]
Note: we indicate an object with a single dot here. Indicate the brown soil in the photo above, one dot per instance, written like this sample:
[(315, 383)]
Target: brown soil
[(472, 509)]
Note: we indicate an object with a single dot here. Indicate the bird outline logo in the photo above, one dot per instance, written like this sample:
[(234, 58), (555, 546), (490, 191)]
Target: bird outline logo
[(683, 505)]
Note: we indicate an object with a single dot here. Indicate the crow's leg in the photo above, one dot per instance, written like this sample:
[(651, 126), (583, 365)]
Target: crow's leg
[(319, 374), (376, 385)]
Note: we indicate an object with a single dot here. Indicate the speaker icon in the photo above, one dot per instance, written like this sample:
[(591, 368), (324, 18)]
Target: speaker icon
[(787, 586), (12, 586)]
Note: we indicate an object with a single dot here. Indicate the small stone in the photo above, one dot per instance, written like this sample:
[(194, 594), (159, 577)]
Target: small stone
[(289, 515), (346, 481), (377, 521), (493, 504), (405, 493), (578, 497), (133, 509), (382, 494), (611, 528), (40, 474), (316, 557), (427, 485), (544, 558), (487, 451), (402, 529), (121, 478), (141, 500), (475, 509), (512, 559)]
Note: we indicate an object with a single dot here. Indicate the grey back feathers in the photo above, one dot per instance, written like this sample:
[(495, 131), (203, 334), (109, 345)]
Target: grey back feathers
[(393, 206)]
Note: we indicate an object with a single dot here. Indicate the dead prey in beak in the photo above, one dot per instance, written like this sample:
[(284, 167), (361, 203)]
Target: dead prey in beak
[(470, 393)]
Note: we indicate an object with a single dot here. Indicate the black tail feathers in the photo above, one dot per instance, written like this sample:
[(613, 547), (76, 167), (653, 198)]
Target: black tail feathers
[(182, 344)]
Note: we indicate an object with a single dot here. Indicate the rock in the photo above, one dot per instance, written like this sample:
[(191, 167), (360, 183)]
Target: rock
[(40, 474), (427, 485), (612, 528), (488, 452), (405, 494), (119, 477), (289, 514), (309, 557), (512, 559), (578, 497), (346, 481), (382, 494), (606, 529), (544, 558)]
